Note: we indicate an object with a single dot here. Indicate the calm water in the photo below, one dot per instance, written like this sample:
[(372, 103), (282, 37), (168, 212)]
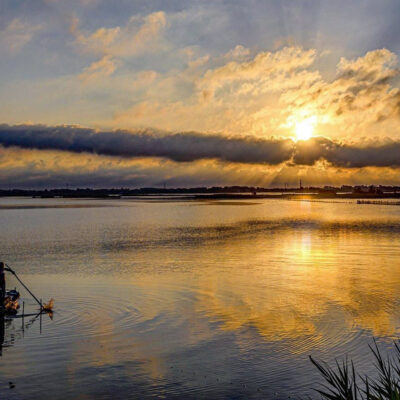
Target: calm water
[(195, 299)]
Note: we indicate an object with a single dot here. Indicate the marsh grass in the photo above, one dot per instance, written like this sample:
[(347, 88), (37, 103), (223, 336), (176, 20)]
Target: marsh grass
[(342, 382)]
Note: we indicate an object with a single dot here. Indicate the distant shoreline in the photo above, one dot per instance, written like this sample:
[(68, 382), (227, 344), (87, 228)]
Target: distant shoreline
[(225, 193)]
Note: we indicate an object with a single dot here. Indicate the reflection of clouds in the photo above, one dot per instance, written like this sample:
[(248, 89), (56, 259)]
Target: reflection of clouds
[(287, 301), (305, 279), (294, 287), (137, 325), (302, 286), (109, 338)]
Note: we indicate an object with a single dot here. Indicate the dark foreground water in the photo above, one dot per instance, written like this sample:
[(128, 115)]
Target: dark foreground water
[(195, 299)]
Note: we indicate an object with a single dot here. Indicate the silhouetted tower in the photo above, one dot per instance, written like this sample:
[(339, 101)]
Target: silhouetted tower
[(300, 185)]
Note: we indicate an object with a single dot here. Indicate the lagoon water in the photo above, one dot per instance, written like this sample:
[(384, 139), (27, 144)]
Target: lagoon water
[(185, 299)]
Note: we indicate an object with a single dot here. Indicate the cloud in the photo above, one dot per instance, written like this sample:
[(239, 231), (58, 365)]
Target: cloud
[(265, 66), (348, 155), (192, 146), (17, 34), (375, 66), (180, 147), (38, 168), (27, 168), (238, 52), (363, 92), (237, 96), (270, 93), (140, 34), (99, 69)]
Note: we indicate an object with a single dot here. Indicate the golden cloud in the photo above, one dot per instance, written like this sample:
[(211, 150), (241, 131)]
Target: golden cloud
[(266, 94)]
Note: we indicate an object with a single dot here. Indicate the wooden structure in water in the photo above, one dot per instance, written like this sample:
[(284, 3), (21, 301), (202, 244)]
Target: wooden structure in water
[(379, 202)]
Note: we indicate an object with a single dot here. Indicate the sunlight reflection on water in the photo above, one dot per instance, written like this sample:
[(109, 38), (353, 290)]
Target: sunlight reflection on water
[(190, 299)]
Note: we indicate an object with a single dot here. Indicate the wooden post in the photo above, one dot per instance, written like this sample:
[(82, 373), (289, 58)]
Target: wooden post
[(2, 286), (23, 313)]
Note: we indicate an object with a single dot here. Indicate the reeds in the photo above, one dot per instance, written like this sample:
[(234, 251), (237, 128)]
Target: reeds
[(344, 383)]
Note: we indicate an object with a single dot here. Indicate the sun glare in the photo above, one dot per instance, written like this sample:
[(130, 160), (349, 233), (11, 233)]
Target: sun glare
[(305, 129)]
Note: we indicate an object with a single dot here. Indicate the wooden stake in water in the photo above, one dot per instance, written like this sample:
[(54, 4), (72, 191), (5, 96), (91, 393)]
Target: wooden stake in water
[(23, 313), (40, 318)]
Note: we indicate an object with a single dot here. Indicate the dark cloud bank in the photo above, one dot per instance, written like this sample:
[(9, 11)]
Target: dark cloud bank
[(347, 156), (186, 147)]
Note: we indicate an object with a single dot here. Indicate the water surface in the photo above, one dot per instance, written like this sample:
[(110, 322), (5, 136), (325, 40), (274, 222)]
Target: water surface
[(185, 299)]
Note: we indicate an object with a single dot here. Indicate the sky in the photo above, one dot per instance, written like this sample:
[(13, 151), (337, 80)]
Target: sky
[(133, 93)]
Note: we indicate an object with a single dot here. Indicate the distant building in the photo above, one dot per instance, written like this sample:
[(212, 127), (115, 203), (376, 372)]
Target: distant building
[(368, 189), (361, 189), (331, 189)]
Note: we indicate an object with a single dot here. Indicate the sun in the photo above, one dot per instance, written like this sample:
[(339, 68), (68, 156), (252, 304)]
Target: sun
[(304, 129)]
